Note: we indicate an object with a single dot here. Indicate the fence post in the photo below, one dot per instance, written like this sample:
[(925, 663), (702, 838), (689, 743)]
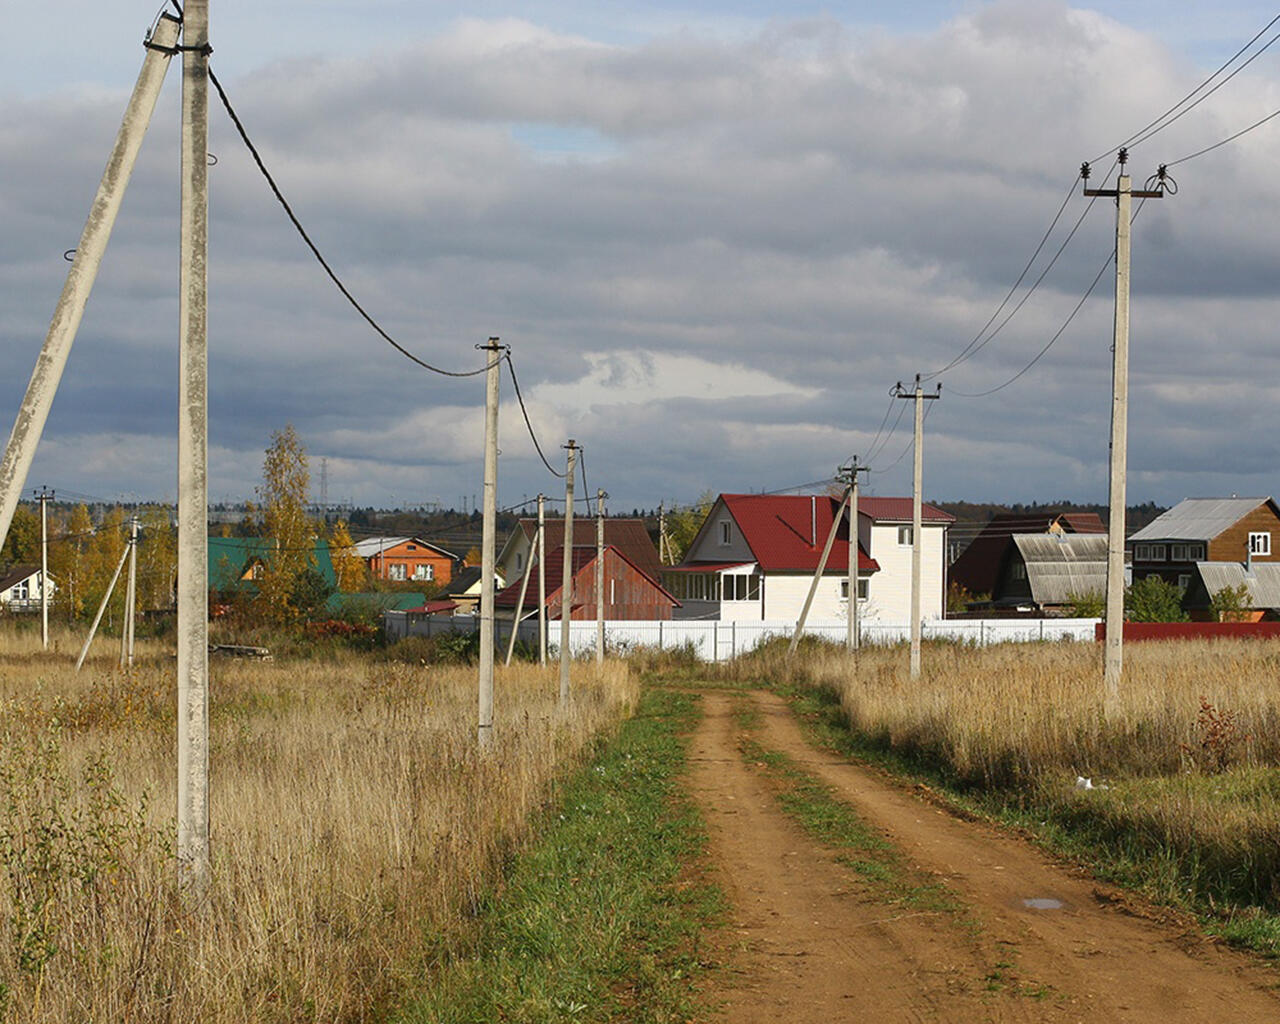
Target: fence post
[(733, 640), (715, 640)]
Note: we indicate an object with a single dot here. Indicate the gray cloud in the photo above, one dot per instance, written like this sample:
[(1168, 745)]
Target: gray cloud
[(830, 207)]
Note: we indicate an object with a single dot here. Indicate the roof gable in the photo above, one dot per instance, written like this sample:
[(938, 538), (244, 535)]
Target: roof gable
[(583, 556), (786, 532), (628, 536)]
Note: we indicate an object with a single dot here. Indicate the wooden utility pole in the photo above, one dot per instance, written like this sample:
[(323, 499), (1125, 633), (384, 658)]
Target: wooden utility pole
[(542, 579), (850, 473), (600, 496), (817, 575), (193, 459), (566, 582), (36, 403), (919, 397), (488, 541), (44, 496), (1114, 628)]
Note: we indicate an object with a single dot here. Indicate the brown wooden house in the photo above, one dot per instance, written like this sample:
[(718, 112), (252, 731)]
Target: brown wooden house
[(1243, 530), (407, 559)]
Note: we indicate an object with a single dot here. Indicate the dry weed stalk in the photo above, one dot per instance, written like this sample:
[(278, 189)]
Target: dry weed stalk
[(353, 820)]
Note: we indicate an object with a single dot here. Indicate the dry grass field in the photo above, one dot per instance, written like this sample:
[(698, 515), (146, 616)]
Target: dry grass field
[(1187, 756), (354, 825)]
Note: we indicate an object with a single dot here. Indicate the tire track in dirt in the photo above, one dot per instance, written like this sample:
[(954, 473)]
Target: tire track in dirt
[(1104, 956), (808, 941)]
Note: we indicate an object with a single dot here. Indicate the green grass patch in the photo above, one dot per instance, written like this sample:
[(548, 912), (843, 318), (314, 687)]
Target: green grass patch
[(600, 919)]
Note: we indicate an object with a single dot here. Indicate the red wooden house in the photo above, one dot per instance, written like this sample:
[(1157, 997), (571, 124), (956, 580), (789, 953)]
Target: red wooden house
[(629, 593)]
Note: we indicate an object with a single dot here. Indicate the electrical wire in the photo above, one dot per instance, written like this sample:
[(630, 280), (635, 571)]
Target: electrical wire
[(969, 349), (1057, 334), (910, 444), (528, 424), (871, 455), (315, 251), (1229, 138), (1141, 136)]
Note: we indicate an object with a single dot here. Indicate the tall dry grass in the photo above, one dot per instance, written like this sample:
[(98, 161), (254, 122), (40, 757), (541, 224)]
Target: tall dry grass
[(354, 826), (1189, 747)]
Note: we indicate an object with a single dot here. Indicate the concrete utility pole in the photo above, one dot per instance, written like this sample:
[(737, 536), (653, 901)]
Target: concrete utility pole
[(44, 496), (566, 582), (664, 549), (542, 579), (850, 473), (130, 598), (34, 411), (916, 515), (515, 622), (488, 540), (600, 496), (817, 576), (193, 459), (97, 619), (1114, 628)]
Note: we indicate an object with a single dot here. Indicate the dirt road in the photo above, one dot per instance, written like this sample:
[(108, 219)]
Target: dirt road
[(808, 941)]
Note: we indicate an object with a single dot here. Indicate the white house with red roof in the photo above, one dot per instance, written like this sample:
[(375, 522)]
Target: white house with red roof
[(755, 556)]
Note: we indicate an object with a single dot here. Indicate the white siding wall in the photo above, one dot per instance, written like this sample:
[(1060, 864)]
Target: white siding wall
[(889, 599), (784, 597)]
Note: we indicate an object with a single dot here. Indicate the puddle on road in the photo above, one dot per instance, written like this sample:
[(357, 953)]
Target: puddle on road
[(1042, 903)]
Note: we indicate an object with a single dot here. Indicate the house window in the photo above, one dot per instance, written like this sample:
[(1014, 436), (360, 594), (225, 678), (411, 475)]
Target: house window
[(725, 534), (519, 561), (1149, 553), (1184, 581), (396, 571), (1018, 570), (424, 572), (741, 588), (904, 535), (1187, 553), (22, 591), (411, 547), (863, 588), (1259, 543)]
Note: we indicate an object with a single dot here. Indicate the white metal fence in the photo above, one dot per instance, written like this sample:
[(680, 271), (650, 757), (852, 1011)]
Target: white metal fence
[(711, 640)]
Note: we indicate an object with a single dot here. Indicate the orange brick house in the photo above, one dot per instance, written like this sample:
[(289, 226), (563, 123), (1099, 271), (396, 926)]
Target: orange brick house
[(407, 559)]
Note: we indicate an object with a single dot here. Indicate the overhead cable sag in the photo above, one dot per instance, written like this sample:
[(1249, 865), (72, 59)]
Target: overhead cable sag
[(284, 203)]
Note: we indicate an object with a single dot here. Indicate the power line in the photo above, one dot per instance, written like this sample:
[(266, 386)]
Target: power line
[(1229, 138), (910, 444), (284, 203), (528, 424), (969, 348), (1151, 129), (902, 411), (1057, 334)]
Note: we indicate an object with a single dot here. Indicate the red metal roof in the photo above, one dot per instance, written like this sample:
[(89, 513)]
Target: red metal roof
[(782, 533), (899, 510)]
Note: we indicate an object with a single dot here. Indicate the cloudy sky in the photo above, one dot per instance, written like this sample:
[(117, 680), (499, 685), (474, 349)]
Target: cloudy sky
[(713, 234)]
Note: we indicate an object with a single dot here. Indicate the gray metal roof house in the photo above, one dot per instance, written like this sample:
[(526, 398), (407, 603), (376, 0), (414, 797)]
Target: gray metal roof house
[(1200, 530)]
